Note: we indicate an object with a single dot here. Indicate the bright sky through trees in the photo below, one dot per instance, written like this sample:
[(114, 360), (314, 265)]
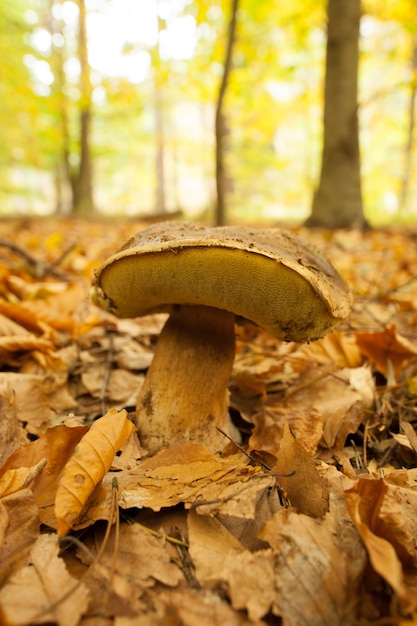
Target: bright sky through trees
[(120, 34)]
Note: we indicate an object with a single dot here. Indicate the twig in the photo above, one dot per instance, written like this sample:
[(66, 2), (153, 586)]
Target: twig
[(39, 269), (106, 376)]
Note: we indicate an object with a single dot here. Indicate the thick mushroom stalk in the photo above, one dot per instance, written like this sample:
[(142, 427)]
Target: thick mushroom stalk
[(185, 391), (203, 277)]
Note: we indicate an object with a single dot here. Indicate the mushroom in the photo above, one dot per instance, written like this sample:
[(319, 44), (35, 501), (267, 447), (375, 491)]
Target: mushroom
[(204, 277)]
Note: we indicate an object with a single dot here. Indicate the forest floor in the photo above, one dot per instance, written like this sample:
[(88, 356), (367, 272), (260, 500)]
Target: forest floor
[(312, 521)]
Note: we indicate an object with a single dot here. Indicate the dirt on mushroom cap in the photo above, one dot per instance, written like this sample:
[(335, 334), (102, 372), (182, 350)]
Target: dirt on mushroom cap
[(271, 277)]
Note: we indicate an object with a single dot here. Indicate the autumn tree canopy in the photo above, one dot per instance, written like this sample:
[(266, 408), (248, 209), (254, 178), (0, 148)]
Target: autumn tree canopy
[(115, 109)]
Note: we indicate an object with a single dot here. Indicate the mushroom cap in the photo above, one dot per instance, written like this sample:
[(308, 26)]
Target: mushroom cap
[(271, 277)]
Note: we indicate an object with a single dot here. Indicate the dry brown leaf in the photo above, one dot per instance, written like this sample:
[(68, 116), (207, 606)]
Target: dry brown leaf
[(243, 512), (305, 487), (44, 591), (338, 348), (387, 349), (16, 479), (122, 387), (340, 397), (220, 559), (185, 472), (12, 434), (410, 434), (141, 572), (54, 312), (132, 356), (318, 567), (368, 510), (9, 328), (50, 452), (12, 347), (19, 528), (89, 463), (305, 422), (195, 608), (31, 398), (16, 312)]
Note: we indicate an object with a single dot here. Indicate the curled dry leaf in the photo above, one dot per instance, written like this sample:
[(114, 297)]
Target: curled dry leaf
[(90, 462), (16, 479), (374, 514)]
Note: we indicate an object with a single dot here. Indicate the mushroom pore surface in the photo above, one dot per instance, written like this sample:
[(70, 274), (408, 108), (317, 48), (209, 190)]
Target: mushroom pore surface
[(138, 281)]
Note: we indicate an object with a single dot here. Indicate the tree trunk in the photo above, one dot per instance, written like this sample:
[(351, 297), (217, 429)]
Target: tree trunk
[(63, 175), (83, 201), (160, 208), (220, 126), (409, 146), (338, 200), (160, 201)]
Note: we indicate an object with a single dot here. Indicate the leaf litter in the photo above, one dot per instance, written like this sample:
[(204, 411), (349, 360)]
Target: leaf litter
[(310, 521)]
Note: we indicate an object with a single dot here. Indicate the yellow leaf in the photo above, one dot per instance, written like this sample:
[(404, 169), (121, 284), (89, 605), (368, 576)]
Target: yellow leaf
[(91, 460), (16, 479)]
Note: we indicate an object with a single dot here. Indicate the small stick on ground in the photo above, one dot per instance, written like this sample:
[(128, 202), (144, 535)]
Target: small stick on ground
[(38, 268)]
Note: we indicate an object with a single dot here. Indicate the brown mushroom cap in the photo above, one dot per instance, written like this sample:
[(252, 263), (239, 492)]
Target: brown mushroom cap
[(271, 277)]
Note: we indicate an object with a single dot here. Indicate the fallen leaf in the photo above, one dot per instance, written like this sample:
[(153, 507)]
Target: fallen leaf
[(365, 501), (410, 434), (44, 591), (318, 566), (50, 452), (31, 398), (184, 473), (19, 528), (89, 463), (337, 348), (220, 559), (16, 479), (12, 434), (270, 422), (387, 349), (299, 477)]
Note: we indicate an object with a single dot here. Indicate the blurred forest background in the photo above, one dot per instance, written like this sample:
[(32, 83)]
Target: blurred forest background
[(282, 110)]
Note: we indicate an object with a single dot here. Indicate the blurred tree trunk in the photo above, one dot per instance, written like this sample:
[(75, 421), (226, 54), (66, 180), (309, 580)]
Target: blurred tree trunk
[(338, 200), (82, 180), (160, 195), (409, 146), (63, 177), (160, 177), (221, 129)]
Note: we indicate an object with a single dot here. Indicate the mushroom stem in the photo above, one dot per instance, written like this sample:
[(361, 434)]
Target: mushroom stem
[(185, 392)]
